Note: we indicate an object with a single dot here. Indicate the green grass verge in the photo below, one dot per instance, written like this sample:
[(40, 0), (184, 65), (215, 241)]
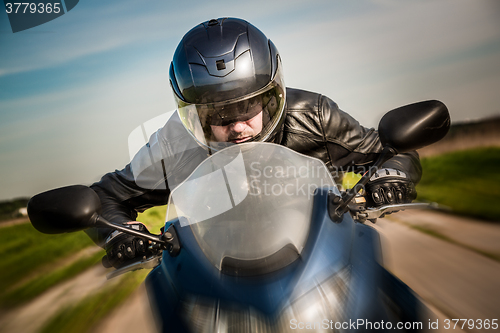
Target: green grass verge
[(82, 316), (24, 251), (350, 179), (36, 286), (467, 181), (154, 218)]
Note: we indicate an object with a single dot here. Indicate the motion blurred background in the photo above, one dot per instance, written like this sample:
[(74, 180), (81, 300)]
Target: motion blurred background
[(73, 89)]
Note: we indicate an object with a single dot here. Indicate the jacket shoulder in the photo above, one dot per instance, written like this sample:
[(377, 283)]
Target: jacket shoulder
[(302, 130), (310, 111), (302, 100)]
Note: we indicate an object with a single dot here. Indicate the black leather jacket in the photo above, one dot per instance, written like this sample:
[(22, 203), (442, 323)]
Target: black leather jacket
[(314, 125)]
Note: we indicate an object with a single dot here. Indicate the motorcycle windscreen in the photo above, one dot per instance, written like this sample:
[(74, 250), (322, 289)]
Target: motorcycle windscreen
[(250, 201)]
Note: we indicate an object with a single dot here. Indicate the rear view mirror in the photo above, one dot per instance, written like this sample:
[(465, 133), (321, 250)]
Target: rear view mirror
[(414, 126), (64, 209), (403, 129)]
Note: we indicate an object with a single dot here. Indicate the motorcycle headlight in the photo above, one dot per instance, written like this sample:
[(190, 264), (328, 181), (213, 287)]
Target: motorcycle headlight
[(324, 303), (320, 305)]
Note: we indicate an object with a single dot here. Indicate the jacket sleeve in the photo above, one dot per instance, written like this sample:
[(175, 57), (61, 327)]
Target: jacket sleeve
[(122, 198), (355, 148), (167, 159)]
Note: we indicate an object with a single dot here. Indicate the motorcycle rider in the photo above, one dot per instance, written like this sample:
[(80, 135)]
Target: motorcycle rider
[(227, 80)]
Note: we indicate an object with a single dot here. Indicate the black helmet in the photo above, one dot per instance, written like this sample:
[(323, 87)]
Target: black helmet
[(226, 71)]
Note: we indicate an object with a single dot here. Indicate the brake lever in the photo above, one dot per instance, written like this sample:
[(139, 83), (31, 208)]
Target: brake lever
[(147, 263), (374, 213)]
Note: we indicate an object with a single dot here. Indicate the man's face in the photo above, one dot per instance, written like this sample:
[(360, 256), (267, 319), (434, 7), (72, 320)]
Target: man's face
[(239, 131)]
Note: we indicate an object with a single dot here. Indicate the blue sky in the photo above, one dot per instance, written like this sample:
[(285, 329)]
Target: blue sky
[(73, 89)]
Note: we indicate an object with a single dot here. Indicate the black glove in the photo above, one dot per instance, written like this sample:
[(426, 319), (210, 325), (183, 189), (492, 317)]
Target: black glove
[(388, 187), (123, 249)]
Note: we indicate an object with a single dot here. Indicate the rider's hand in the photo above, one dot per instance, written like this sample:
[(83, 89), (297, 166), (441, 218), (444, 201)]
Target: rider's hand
[(123, 249), (388, 187)]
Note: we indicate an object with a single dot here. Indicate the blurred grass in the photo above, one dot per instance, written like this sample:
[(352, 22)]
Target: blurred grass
[(467, 181), (25, 251), (350, 179), (36, 286), (154, 218), (81, 317)]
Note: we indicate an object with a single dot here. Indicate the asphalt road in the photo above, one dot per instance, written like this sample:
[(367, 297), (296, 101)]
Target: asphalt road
[(452, 276)]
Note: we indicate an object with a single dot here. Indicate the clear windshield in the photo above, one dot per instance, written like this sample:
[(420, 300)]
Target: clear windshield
[(249, 201)]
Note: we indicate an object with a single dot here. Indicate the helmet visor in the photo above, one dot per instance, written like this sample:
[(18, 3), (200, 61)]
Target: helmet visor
[(249, 118)]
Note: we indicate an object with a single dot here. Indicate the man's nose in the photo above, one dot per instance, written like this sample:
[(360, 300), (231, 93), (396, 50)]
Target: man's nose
[(238, 127)]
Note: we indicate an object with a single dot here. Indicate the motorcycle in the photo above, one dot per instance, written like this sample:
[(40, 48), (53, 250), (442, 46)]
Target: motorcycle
[(260, 239)]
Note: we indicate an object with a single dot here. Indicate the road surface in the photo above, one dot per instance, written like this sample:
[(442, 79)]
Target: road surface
[(452, 276)]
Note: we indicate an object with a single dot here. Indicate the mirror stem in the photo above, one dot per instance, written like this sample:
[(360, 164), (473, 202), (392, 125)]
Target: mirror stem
[(103, 223), (342, 203)]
